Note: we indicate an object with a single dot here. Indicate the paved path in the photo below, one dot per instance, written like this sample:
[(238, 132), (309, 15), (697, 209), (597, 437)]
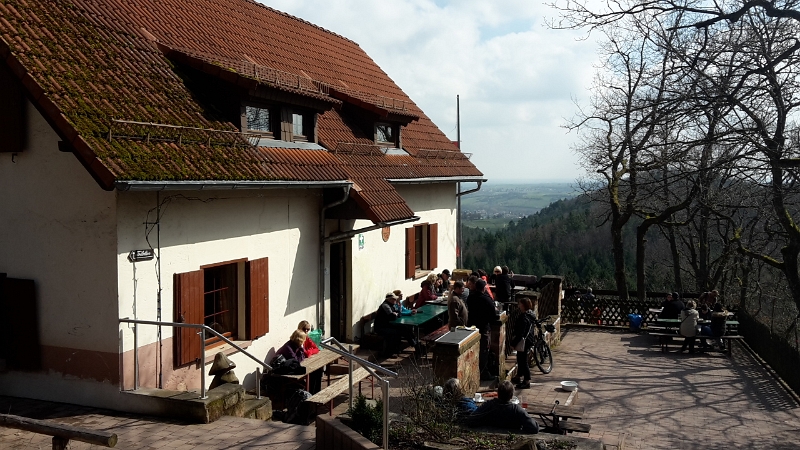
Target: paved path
[(153, 433), (675, 401)]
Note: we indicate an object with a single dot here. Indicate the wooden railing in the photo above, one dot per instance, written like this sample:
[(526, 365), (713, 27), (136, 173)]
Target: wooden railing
[(62, 434)]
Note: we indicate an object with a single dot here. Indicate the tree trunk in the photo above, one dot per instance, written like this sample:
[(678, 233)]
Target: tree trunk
[(641, 233), (619, 258), (676, 259)]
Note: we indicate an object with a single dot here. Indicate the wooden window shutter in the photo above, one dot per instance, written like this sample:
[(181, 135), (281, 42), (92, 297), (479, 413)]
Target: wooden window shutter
[(21, 340), (287, 132), (189, 308), (433, 246), (410, 255), (257, 298)]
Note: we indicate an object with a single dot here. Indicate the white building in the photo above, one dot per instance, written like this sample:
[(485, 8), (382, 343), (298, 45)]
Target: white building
[(272, 169)]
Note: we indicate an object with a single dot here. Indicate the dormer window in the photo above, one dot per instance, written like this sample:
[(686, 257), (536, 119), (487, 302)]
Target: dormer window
[(387, 134), (258, 119), (302, 127)]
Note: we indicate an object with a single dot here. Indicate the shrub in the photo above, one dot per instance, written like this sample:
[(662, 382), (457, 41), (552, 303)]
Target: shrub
[(367, 419)]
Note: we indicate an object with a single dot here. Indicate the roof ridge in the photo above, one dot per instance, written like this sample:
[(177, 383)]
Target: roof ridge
[(302, 21)]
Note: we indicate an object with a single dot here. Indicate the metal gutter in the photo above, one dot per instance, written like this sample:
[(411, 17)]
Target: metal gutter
[(424, 180), (459, 194), (348, 234), (322, 241), (225, 185)]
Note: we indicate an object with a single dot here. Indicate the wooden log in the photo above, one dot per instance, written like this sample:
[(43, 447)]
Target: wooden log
[(57, 430)]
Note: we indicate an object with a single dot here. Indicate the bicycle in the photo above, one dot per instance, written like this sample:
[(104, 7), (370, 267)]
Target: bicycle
[(540, 353)]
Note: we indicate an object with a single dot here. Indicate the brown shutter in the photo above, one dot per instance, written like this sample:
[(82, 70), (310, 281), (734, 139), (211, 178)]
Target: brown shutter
[(257, 298), (410, 256), (18, 306), (286, 125), (189, 308), (433, 246)]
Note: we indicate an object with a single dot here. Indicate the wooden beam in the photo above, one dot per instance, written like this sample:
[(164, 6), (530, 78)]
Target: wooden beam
[(57, 430)]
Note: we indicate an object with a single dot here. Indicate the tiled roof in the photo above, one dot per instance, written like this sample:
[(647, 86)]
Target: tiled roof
[(85, 63)]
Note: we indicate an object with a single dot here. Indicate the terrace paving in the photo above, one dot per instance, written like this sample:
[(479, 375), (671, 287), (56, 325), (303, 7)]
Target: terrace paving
[(635, 398)]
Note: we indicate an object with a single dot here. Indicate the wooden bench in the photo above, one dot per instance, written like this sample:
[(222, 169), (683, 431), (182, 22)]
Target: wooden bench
[(370, 340), (729, 340), (337, 387), (665, 338)]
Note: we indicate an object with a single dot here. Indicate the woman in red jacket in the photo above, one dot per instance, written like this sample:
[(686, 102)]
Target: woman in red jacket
[(309, 346), (426, 294)]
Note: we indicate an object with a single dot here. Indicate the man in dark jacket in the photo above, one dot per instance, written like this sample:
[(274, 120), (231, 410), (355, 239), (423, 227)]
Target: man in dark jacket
[(672, 307), (481, 315), (391, 335), (500, 412)]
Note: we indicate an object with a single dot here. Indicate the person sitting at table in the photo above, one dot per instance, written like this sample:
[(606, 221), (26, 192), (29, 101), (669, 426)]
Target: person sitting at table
[(719, 317), (708, 298), (308, 346), (399, 307), (483, 276), (500, 412), (481, 315), (452, 392), (671, 307), (445, 285), (425, 294), (456, 308), (391, 335), (294, 349), (689, 318)]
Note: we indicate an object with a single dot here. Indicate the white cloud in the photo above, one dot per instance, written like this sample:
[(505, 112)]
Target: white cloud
[(516, 78)]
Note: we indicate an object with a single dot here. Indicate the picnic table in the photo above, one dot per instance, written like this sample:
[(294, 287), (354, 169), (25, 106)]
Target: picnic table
[(313, 363), (667, 329), (424, 315)]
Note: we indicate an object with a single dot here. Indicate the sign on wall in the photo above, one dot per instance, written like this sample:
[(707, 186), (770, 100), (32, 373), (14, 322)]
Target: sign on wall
[(141, 255), (361, 241)]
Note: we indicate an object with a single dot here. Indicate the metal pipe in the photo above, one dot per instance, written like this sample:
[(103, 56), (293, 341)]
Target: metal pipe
[(348, 234), (350, 362), (135, 357), (428, 180), (321, 281), (363, 362), (258, 383), (472, 190), (385, 389), (203, 364)]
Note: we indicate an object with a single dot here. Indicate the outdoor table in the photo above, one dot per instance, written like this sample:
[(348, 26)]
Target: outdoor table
[(425, 314), (556, 412), (314, 363)]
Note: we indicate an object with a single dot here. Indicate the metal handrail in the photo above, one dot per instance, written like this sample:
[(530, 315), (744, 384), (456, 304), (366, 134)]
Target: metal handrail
[(203, 329), (370, 367)]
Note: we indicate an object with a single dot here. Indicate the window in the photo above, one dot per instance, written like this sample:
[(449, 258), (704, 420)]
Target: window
[(302, 127), (387, 134), (422, 249), (231, 298), (259, 119), (297, 125)]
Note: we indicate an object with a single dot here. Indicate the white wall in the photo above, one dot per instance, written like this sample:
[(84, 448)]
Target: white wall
[(57, 227), (200, 228), (379, 267)]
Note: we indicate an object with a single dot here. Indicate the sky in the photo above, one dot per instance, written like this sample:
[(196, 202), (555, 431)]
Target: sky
[(518, 80)]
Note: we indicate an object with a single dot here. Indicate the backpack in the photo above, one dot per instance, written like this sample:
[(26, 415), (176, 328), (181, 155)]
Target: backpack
[(297, 410)]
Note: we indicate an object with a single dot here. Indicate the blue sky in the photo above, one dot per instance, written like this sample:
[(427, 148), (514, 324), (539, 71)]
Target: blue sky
[(517, 79)]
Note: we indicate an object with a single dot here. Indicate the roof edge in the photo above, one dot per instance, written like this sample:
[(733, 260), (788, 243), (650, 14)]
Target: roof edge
[(426, 180), (225, 185)]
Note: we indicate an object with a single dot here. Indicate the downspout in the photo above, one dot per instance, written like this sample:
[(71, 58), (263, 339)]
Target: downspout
[(471, 190), (322, 241)]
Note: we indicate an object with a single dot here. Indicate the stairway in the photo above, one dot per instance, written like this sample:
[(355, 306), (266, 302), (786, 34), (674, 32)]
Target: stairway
[(225, 400)]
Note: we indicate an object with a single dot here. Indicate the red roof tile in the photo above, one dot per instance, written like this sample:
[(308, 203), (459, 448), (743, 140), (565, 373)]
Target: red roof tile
[(87, 62)]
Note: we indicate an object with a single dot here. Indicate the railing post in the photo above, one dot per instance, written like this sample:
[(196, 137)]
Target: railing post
[(135, 357), (258, 383), (385, 389), (350, 363), (203, 395)]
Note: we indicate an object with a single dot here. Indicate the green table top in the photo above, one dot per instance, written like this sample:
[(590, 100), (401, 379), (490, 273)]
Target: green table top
[(674, 321), (424, 314)]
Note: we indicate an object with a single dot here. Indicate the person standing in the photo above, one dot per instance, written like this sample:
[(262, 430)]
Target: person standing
[(523, 335), (481, 315), (689, 318), (456, 308), (502, 284)]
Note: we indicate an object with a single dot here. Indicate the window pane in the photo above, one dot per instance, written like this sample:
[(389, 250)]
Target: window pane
[(385, 132), (297, 125), (257, 119), (418, 247)]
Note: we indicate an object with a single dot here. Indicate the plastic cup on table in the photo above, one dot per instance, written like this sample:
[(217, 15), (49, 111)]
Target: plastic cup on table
[(524, 406)]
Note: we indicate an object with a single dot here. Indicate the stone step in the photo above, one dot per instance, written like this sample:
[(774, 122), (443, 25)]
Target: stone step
[(187, 405), (251, 407)]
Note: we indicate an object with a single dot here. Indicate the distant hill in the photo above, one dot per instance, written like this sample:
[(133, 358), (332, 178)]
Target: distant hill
[(496, 204), (567, 237)]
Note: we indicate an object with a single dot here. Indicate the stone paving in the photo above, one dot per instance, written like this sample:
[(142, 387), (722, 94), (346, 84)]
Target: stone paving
[(658, 400), (636, 397)]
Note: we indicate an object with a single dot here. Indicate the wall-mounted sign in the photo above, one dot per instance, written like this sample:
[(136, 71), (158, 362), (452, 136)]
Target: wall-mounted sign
[(361, 242), (141, 255), (385, 231)]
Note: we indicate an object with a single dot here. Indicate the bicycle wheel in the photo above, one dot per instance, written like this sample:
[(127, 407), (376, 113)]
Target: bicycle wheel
[(543, 357)]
